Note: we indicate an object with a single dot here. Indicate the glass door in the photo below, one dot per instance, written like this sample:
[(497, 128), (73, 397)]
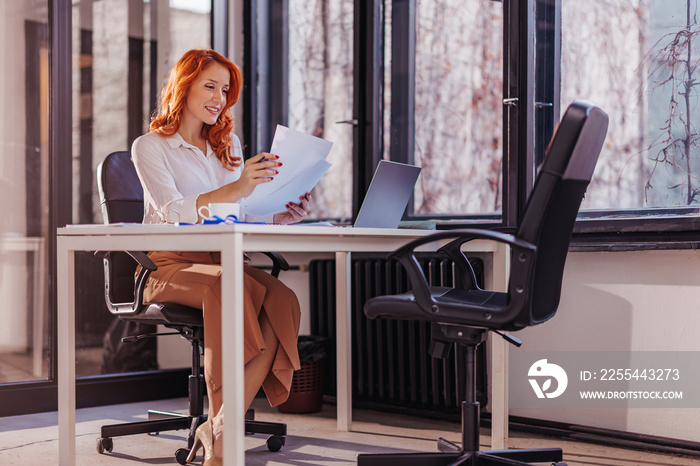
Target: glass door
[(121, 59), (24, 189)]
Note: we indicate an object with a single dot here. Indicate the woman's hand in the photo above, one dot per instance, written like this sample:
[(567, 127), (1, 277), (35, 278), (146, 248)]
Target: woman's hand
[(257, 170), (294, 212)]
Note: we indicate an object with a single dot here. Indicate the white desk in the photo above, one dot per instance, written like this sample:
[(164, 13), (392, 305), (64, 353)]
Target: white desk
[(231, 241)]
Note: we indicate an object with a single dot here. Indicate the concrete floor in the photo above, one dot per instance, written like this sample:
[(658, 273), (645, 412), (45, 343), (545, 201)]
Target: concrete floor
[(312, 439)]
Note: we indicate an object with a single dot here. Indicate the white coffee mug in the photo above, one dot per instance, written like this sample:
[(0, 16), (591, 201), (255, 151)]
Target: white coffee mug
[(220, 209)]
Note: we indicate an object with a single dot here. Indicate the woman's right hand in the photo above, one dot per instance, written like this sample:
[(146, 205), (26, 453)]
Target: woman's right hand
[(257, 170)]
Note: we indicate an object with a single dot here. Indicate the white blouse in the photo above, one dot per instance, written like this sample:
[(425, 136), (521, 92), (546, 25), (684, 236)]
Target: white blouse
[(174, 173)]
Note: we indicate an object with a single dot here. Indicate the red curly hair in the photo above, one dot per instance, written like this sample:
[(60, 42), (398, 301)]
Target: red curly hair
[(168, 117)]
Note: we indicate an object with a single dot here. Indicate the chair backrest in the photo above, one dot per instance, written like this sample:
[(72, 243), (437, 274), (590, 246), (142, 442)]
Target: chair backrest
[(121, 194), (121, 197), (553, 205)]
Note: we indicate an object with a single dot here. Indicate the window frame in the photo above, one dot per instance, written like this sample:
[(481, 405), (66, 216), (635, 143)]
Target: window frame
[(518, 126), (531, 94), (518, 108), (642, 228)]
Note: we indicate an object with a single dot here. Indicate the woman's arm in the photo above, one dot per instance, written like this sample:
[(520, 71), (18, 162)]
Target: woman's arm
[(175, 181), (255, 171), (164, 200)]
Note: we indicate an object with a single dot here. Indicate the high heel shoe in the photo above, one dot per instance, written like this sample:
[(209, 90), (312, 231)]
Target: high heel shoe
[(203, 438)]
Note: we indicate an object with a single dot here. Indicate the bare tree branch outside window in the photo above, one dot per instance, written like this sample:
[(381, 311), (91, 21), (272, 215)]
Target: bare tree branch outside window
[(673, 71), (639, 64)]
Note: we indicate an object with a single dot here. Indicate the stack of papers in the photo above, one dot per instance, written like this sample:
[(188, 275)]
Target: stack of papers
[(304, 162)]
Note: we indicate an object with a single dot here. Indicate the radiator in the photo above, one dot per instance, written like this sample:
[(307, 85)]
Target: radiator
[(391, 363)]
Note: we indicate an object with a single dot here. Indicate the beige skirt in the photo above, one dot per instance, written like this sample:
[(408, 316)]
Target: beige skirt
[(194, 279)]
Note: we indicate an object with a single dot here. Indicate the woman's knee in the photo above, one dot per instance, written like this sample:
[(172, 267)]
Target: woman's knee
[(215, 287)]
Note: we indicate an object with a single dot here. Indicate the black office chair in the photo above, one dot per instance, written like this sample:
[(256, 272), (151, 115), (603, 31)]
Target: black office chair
[(464, 314), (121, 196)]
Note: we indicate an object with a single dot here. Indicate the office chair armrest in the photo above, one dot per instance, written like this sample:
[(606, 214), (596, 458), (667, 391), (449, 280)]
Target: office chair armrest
[(419, 284), (279, 263), (465, 235), (143, 260), (140, 257), (463, 268), (147, 266)]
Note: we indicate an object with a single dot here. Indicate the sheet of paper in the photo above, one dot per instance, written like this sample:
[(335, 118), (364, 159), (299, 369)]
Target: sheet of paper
[(303, 165), (301, 185)]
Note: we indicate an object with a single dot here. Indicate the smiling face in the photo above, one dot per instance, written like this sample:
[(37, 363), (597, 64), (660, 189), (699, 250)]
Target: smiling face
[(207, 95)]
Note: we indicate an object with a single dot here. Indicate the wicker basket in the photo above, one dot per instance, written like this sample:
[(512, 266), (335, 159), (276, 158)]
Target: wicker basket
[(306, 394)]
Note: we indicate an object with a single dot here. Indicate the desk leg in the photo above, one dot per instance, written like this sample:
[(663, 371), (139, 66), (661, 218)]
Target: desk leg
[(499, 358), (343, 340), (66, 354), (232, 349)]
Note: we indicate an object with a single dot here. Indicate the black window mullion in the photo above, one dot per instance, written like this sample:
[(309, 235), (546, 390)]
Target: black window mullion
[(518, 108), (265, 93), (278, 54), (547, 73), (367, 101), (403, 74), (250, 83), (403, 84)]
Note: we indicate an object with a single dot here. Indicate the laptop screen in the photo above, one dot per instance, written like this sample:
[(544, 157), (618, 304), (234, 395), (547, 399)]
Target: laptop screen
[(388, 195)]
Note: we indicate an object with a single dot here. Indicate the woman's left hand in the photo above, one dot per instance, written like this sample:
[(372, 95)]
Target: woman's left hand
[(294, 212)]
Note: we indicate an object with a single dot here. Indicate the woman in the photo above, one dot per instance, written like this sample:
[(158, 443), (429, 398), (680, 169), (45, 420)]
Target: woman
[(189, 159)]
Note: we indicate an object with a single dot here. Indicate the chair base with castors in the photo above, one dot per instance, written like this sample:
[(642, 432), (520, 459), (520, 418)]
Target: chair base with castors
[(277, 432), (159, 421), (466, 340), (163, 421)]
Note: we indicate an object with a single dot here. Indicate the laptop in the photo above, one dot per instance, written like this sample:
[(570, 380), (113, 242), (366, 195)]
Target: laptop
[(388, 195)]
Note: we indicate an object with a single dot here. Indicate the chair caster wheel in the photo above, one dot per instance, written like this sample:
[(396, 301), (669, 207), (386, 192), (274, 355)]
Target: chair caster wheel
[(275, 442), (104, 445), (181, 455), (560, 464)]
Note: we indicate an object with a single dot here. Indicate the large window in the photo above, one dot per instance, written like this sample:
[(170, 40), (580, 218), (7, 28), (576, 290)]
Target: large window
[(458, 106), (640, 66), (121, 59), (320, 69), (442, 75), (441, 88)]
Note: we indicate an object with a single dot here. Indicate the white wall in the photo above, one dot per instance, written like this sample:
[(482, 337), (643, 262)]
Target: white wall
[(625, 301)]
